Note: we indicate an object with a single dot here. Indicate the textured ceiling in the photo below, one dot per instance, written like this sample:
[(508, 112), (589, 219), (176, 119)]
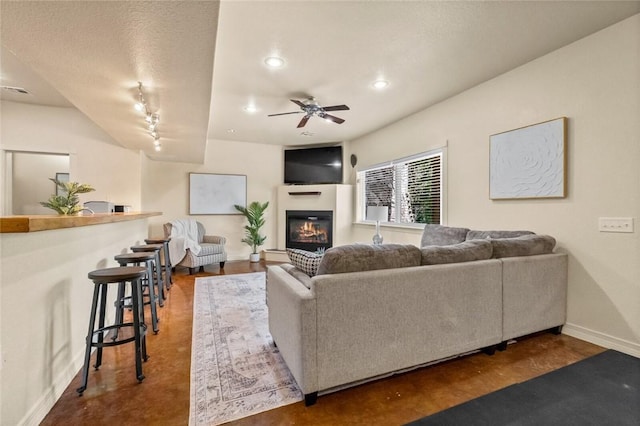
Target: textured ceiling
[(93, 54)]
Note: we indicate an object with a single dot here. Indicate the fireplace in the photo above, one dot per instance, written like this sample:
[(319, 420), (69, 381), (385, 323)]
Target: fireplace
[(309, 229)]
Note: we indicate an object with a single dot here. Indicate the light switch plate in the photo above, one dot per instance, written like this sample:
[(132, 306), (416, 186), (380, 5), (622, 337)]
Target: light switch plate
[(615, 224)]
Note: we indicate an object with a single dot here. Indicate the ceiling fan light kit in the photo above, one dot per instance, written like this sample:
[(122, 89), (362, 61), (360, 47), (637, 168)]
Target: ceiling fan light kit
[(310, 107)]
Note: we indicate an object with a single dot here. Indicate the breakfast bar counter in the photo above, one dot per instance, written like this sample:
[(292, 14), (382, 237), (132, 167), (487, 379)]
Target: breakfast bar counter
[(33, 223), (45, 299)]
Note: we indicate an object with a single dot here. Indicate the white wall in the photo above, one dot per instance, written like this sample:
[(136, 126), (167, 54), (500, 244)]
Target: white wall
[(30, 180), (44, 291), (595, 82), (166, 189), (95, 158)]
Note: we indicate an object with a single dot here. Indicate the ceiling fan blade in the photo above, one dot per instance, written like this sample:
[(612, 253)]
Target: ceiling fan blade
[(297, 102), (303, 121), (333, 118), (285, 113), (336, 108)]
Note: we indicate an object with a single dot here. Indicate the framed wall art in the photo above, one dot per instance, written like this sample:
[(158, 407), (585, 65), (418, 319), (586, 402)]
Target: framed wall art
[(216, 194), (529, 162)]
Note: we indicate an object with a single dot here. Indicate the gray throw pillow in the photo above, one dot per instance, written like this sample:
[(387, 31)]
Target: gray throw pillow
[(306, 261), (525, 245), (478, 235), (363, 257), (462, 252), (439, 235)]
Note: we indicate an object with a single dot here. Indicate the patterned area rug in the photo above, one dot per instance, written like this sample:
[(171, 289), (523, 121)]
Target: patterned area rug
[(236, 371)]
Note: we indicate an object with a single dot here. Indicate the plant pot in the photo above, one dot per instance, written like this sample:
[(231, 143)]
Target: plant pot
[(254, 257)]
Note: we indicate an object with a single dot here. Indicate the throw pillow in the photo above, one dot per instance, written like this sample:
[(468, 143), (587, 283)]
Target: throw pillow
[(463, 252), (525, 245), (306, 261), (439, 235)]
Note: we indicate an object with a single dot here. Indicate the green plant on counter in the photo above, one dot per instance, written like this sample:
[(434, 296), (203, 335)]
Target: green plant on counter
[(255, 216), (67, 202)]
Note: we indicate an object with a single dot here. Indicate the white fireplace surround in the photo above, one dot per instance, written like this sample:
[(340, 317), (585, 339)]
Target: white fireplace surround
[(337, 198)]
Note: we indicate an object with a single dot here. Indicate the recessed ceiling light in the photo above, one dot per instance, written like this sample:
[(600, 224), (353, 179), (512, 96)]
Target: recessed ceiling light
[(250, 109), (231, 130), (380, 84), (274, 62)]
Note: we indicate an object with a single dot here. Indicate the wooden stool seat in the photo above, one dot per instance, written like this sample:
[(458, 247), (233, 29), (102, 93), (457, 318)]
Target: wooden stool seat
[(114, 275)]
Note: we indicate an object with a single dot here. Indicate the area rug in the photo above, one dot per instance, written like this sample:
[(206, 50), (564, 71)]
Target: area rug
[(601, 390), (236, 370)]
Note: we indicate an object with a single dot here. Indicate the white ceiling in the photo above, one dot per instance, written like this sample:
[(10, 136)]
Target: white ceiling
[(202, 62)]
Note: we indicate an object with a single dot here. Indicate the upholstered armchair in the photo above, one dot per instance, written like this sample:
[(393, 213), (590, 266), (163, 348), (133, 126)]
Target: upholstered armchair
[(212, 250)]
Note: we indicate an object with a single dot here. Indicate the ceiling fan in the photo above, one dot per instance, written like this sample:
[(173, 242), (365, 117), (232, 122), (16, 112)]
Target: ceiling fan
[(310, 107)]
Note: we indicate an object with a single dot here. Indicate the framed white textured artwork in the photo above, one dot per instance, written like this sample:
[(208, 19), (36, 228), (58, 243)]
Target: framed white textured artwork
[(529, 162), (211, 193)]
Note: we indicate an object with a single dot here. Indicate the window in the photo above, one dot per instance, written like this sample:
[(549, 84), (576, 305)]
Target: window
[(411, 187)]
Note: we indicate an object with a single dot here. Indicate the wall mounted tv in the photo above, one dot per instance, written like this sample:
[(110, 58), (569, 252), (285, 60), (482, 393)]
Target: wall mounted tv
[(308, 166)]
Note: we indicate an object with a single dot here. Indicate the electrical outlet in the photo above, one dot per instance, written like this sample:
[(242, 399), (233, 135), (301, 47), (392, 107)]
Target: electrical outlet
[(615, 224)]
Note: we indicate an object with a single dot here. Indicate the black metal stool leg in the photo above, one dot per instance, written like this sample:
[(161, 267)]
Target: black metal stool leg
[(143, 325), (119, 303), (103, 308), (159, 280), (87, 352), (135, 295), (168, 279), (153, 297)]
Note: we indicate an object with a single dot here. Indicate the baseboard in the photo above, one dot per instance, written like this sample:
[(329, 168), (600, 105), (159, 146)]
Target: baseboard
[(46, 402), (601, 339)]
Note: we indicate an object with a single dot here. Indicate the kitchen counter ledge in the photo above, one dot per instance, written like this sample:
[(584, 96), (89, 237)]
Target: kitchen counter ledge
[(33, 223)]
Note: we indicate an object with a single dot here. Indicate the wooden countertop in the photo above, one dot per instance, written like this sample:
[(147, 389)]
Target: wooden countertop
[(14, 224)]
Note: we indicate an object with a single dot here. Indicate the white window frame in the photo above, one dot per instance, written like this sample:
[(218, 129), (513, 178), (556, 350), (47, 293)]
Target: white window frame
[(361, 195)]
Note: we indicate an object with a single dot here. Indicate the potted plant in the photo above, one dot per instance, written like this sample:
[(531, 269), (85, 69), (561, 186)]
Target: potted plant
[(66, 202), (255, 216)]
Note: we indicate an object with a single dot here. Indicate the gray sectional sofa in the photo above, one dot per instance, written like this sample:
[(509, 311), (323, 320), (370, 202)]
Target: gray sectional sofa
[(370, 311)]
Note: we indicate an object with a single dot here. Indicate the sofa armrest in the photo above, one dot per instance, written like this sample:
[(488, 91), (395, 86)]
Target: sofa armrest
[(214, 239), (292, 324), (534, 293)]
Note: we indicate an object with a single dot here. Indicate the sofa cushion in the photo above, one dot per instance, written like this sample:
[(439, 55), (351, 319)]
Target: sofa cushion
[(306, 261), (297, 274), (363, 257), (525, 245), (478, 235), (439, 235), (462, 252)]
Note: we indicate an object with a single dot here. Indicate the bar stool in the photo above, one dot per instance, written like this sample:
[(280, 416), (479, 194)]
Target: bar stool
[(136, 259), (168, 279), (154, 248), (101, 279)]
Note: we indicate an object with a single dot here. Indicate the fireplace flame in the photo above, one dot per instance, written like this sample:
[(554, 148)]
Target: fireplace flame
[(310, 232)]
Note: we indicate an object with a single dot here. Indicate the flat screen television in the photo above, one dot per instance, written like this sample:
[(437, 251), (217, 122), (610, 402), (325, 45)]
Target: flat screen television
[(308, 166)]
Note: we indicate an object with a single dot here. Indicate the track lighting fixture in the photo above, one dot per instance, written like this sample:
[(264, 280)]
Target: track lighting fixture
[(152, 118)]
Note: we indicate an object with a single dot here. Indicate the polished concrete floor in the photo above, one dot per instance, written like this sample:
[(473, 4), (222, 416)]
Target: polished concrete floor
[(114, 396)]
